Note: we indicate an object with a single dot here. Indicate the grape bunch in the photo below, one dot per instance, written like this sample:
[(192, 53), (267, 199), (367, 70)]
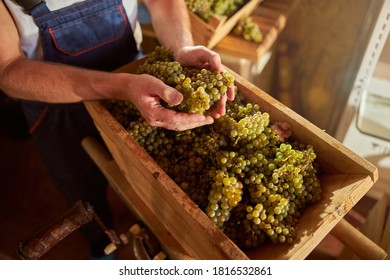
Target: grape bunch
[(202, 8), (242, 123), (201, 88), (250, 180), (248, 29), (205, 9), (225, 194)]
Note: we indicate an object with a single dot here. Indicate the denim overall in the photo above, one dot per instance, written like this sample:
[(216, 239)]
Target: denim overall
[(94, 34)]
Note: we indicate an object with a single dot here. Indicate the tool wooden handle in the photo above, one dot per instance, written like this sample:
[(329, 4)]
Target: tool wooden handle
[(36, 245), (360, 244), (96, 151)]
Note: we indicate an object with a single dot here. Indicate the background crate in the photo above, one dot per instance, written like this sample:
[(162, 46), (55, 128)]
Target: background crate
[(188, 233), (210, 33), (271, 21)]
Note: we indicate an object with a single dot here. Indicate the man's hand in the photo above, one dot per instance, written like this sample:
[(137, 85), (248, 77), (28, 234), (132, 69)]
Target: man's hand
[(148, 94)]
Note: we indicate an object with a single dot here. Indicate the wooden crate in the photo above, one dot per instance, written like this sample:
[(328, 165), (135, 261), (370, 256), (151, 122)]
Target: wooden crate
[(210, 33), (178, 222), (271, 21)]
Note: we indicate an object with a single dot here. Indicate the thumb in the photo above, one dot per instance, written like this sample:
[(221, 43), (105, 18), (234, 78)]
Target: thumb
[(171, 96)]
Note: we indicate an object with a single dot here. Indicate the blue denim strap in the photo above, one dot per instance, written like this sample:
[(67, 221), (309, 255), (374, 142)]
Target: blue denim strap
[(40, 10), (35, 8)]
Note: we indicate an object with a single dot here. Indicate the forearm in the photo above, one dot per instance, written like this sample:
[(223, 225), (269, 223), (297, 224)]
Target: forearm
[(171, 23), (56, 83)]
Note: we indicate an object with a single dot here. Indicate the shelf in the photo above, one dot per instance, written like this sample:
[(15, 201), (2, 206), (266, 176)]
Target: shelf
[(271, 16)]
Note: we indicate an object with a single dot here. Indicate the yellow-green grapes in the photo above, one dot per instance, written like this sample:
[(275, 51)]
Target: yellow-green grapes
[(201, 88), (248, 29)]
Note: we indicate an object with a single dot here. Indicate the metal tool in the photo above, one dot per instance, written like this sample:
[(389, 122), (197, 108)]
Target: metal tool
[(144, 244), (36, 245)]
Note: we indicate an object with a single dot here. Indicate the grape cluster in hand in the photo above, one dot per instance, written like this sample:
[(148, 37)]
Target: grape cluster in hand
[(201, 88)]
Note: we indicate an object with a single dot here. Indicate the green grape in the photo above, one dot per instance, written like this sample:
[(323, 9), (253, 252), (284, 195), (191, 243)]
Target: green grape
[(225, 194), (205, 9), (201, 88), (202, 8), (248, 29)]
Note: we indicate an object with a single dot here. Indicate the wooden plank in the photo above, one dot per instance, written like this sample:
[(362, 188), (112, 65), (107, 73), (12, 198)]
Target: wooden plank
[(374, 225), (385, 242), (267, 12), (362, 246), (201, 31), (280, 5), (271, 23)]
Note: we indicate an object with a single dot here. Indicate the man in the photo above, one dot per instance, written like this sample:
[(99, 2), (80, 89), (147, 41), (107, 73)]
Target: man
[(57, 53)]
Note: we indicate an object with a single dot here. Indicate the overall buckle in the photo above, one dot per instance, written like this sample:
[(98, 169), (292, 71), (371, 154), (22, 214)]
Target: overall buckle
[(28, 5)]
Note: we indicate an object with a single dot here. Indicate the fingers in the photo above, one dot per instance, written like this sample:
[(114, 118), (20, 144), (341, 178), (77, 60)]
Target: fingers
[(220, 108), (171, 96), (172, 120), (150, 107), (157, 88), (200, 56), (231, 93), (215, 62)]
